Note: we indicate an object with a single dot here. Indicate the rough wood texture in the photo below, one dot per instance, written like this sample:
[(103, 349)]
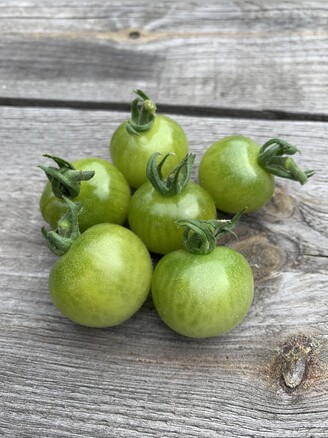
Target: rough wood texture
[(268, 378), (236, 55), (253, 60)]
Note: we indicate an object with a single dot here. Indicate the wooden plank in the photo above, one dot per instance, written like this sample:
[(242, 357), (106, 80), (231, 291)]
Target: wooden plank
[(246, 55), (140, 379)]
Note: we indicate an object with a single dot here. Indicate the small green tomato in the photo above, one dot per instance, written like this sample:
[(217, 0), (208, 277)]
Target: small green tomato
[(145, 133), (103, 276), (158, 204), (204, 290), (238, 173), (104, 192)]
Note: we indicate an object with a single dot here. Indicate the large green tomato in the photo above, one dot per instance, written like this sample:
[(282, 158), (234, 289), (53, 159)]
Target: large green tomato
[(153, 216), (203, 295), (130, 152), (104, 277), (230, 172), (105, 197)]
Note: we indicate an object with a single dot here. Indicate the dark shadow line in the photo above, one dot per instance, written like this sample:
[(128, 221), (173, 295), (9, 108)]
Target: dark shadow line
[(190, 110)]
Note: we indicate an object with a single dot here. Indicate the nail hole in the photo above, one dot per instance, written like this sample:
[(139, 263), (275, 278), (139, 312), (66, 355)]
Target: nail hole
[(134, 35)]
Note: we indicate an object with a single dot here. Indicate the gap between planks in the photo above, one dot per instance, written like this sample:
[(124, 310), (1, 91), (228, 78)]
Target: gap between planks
[(190, 110)]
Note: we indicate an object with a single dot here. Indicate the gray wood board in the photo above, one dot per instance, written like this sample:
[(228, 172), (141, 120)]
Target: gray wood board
[(232, 55), (140, 379)]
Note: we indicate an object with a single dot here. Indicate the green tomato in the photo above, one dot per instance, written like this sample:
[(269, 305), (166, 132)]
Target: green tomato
[(105, 197), (104, 277), (153, 216), (230, 172), (203, 295), (130, 153)]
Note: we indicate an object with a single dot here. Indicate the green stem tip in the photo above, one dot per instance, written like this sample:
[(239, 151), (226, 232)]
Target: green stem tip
[(142, 114), (60, 240), (271, 158), (200, 236), (65, 180), (177, 179)]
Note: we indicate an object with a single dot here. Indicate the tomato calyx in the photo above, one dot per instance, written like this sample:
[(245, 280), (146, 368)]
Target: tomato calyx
[(65, 180), (271, 158), (142, 114), (60, 240), (200, 236), (177, 179)]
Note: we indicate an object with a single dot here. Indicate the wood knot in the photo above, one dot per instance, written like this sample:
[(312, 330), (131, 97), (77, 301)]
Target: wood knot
[(264, 257), (293, 361), (281, 206), (134, 34)]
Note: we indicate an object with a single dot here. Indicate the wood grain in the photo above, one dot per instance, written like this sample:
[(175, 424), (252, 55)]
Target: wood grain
[(240, 55), (140, 379)]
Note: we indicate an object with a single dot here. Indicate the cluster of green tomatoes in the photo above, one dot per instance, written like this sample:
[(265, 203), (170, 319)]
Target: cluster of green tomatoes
[(104, 235)]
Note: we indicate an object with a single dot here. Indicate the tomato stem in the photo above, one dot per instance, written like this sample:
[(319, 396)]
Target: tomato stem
[(177, 179), (60, 240), (271, 158), (200, 236), (65, 180), (142, 114)]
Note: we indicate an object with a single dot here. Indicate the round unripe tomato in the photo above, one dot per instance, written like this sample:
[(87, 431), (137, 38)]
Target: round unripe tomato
[(202, 295), (230, 172), (153, 216), (130, 153), (104, 277), (105, 197)]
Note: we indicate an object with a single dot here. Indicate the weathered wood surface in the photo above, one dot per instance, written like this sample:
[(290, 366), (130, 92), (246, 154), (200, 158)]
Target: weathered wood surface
[(140, 379), (247, 59), (228, 55)]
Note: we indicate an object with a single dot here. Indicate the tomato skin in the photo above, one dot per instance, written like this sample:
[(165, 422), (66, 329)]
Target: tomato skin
[(229, 171), (105, 197), (153, 216), (130, 153), (103, 279), (202, 296)]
